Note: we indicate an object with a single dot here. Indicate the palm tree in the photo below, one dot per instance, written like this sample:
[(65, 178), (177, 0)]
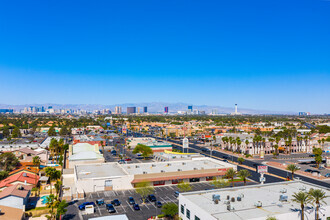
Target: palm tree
[(36, 162), (58, 185), (52, 174), (293, 168), (244, 174), (240, 160), (302, 198), (247, 144), (318, 197), (230, 174)]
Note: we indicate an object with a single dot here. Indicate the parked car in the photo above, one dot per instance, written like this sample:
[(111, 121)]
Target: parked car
[(136, 207), (321, 168), (308, 170), (205, 149), (176, 193), (100, 201), (128, 159), (131, 200), (158, 204), (110, 208), (327, 175), (121, 161), (82, 206), (152, 198), (115, 202)]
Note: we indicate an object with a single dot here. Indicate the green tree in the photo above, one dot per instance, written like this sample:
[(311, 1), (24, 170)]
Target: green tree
[(317, 196), (143, 149), (64, 131), (293, 168), (244, 174), (219, 183), (3, 175), (271, 218), (170, 209), (36, 162), (51, 131), (51, 202), (184, 186), (61, 209), (240, 160), (230, 174), (144, 189), (302, 198), (5, 132), (16, 133), (8, 161), (58, 185), (52, 174), (318, 156)]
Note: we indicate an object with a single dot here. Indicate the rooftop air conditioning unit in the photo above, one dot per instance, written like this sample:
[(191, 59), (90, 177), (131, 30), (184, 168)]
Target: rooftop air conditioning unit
[(216, 197), (162, 171), (283, 190), (303, 188), (136, 166), (239, 198), (168, 164), (283, 198), (227, 202), (144, 172), (153, 165), (183, 163), (258, 204), (232, 199), (195, 168), (229, 207), (179, 170), (25, 174)]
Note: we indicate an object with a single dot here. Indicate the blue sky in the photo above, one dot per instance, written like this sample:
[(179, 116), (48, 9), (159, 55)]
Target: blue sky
[(271, 55)]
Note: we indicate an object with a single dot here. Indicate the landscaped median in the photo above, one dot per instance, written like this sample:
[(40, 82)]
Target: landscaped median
[(37, 212)]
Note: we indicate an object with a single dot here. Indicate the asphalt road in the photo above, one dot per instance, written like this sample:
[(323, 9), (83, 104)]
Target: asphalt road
[(252, 164)]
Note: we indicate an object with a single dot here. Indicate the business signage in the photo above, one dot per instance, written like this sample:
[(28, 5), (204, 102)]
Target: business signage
[(262, 169), (185, 143)]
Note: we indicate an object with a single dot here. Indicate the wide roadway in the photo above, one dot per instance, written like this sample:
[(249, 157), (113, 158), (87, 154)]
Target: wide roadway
[(252, 164)]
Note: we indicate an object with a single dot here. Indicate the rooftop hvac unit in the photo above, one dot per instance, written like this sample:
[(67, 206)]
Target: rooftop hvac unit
[(227, 202), (303, 188), (179, 170), (195, 168), (183, 163), (229, 208), (228, 197), (232, 199), (215, 197), (136, 166), (283, 190), (162, 171), (241, 195), (258, 204), (153, 165), (144, 172), (239, 198), (283, 198), (25, 174), (168, 164)]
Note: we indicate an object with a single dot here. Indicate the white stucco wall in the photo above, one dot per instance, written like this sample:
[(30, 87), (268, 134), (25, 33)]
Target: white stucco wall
[(13, 201)]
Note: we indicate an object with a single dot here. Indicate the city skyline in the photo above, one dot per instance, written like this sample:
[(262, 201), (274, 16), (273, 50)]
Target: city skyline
[(263, 55)]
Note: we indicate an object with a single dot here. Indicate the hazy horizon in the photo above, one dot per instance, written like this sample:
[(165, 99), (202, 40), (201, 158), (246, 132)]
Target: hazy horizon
[(263, 55)]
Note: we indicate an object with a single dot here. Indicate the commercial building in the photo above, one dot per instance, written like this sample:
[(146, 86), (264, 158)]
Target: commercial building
[(118, 110), (6, 111), (156, 146), (84, 153), (166, 110), (115, 176), (190, 109), (145, 109), (257, 202), (131, 110)]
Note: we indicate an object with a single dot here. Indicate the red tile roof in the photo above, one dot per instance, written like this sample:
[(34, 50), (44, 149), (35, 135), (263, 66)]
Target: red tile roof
[(18, 190), (20, 177)]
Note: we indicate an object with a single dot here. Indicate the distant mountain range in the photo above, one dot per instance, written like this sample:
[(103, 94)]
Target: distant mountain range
[(153, 107)]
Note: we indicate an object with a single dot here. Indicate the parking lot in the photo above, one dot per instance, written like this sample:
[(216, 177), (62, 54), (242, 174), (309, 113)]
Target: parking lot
[(164, 194)]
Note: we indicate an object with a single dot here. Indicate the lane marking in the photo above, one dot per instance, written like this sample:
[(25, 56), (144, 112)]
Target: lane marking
[(123, 207), (170, 199), (130, 206)]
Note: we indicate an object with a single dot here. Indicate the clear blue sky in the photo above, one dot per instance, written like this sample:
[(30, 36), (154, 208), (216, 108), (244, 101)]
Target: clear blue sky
[(266, 54)]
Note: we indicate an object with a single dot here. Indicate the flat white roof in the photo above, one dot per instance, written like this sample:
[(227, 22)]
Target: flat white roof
[(267, 194), (101, 170), (111, 217), (173, 166)]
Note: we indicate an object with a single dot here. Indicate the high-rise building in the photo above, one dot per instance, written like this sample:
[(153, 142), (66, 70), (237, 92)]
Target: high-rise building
[(6, 110), (131, 110), (236, 109), (166, 109), (118, 110), (138, 110), (190, 108), (145, 109), (214, 111)]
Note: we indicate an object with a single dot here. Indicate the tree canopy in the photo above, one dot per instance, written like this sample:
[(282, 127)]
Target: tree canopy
[(8, 161)]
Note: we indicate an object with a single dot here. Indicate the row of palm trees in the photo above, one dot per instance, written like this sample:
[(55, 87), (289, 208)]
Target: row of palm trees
[(314, 196), (243, 174)]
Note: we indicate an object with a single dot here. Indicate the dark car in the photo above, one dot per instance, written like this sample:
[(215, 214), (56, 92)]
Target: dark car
[(82, 206), (158, 204), (115, 202), (110, 208), (100, 201), (136, 207), (128, 159), (176, 193), (205, 149), (131, 200), (121, 161), (152, 198), (308, 170)]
